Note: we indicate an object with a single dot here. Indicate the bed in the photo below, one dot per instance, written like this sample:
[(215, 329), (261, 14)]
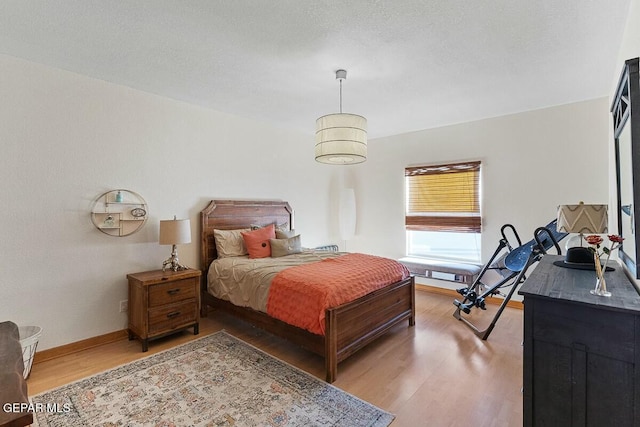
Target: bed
[(347, 327)]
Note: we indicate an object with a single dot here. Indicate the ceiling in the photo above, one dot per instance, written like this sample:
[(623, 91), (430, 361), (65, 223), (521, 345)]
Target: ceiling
[(412, 64)]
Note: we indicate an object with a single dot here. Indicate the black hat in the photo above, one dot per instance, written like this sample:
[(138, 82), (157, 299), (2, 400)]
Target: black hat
[(580, 258)]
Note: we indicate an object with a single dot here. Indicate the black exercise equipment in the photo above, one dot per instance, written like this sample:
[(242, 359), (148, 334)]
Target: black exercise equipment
[(512, 264)]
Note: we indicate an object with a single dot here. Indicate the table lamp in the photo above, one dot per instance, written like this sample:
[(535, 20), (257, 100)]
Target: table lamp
[(174, 232), (582, 219)]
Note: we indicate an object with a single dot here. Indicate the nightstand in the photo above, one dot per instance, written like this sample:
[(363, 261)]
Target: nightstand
[(163, 302)]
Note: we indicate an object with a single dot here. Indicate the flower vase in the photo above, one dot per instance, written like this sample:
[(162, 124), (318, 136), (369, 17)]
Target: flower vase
[(601, 284)]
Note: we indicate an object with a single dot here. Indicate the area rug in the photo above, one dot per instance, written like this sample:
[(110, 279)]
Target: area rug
[(217, 380)]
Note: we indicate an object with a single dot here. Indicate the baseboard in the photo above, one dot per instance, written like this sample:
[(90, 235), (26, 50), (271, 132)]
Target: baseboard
[(74, 347), (454, 295)]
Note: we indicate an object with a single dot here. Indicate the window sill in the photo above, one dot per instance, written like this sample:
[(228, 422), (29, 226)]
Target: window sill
[(453, 271)]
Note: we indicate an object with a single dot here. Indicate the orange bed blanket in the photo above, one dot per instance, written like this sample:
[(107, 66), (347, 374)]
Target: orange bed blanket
[(299, 295)]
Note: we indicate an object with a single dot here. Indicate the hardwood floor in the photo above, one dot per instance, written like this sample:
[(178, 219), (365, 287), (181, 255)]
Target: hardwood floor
[(435, 374)]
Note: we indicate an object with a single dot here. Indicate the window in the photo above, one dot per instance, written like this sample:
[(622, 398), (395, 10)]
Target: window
[(443, 211)]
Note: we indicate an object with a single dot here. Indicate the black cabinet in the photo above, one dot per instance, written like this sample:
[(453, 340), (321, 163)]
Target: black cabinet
[(581, 352)]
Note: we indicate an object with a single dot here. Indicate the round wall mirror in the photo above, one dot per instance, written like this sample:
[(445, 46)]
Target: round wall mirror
[(119, 212)]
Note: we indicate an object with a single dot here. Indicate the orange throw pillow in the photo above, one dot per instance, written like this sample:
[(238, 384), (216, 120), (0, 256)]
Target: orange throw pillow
[(257, 241)]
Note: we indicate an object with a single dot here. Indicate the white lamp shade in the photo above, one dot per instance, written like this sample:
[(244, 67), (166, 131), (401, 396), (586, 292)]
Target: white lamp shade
[(175, 231), (341, 138), (582, 219)]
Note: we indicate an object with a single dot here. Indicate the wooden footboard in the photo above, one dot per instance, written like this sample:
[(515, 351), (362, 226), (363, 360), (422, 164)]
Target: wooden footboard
[(351, 326)]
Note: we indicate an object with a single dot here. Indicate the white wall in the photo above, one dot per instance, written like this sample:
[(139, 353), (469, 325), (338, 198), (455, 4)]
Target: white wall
[(67, 138), (531, 163)]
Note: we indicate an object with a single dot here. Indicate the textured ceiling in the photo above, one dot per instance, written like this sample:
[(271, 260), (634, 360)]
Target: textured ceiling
[(412, 64)]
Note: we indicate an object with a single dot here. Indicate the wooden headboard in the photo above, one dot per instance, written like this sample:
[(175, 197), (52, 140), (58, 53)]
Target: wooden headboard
[(234, 214)]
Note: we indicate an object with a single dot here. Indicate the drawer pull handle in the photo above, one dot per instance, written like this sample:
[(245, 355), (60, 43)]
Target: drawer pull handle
[(173, 314), (173, 291)]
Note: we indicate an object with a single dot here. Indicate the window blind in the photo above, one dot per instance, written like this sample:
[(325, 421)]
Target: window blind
[(444, 197)]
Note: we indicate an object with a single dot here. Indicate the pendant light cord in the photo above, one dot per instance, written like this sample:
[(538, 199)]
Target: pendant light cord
[(340, 96)]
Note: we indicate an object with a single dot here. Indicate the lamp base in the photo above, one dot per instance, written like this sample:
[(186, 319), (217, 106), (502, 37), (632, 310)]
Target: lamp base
[(173, 263), (575, 241)]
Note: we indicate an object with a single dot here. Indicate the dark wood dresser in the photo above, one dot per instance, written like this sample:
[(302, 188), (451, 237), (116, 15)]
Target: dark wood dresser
[(581, 351)]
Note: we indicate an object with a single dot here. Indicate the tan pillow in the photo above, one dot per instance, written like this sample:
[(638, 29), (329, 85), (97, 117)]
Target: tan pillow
[(230, 242), (284, 226), (285, 234), (282, 247)]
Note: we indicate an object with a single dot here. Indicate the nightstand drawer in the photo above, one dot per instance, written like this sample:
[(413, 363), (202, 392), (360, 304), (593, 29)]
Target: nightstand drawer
[(167, 293), (164, 319)]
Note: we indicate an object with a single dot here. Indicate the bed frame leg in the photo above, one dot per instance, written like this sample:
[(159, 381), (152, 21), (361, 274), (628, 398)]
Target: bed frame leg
[(332, 373), (412, 318), (204, 308), (330, 346)]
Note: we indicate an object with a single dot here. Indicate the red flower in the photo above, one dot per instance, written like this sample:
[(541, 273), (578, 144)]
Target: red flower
[(615, 238), (593, 239)]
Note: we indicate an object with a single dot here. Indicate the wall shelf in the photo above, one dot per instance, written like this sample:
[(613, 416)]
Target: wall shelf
[(119, 212)]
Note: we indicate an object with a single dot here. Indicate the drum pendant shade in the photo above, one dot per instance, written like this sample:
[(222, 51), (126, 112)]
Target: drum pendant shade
[(341, 138)]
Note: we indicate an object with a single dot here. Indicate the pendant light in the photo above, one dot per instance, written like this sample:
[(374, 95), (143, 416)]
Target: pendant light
[(341, 138)]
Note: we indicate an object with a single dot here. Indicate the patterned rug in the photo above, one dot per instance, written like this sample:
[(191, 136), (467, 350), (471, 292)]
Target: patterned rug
[(217, 380)]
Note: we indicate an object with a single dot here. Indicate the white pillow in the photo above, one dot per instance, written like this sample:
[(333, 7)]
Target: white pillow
[(285, 234), (230, 242)]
